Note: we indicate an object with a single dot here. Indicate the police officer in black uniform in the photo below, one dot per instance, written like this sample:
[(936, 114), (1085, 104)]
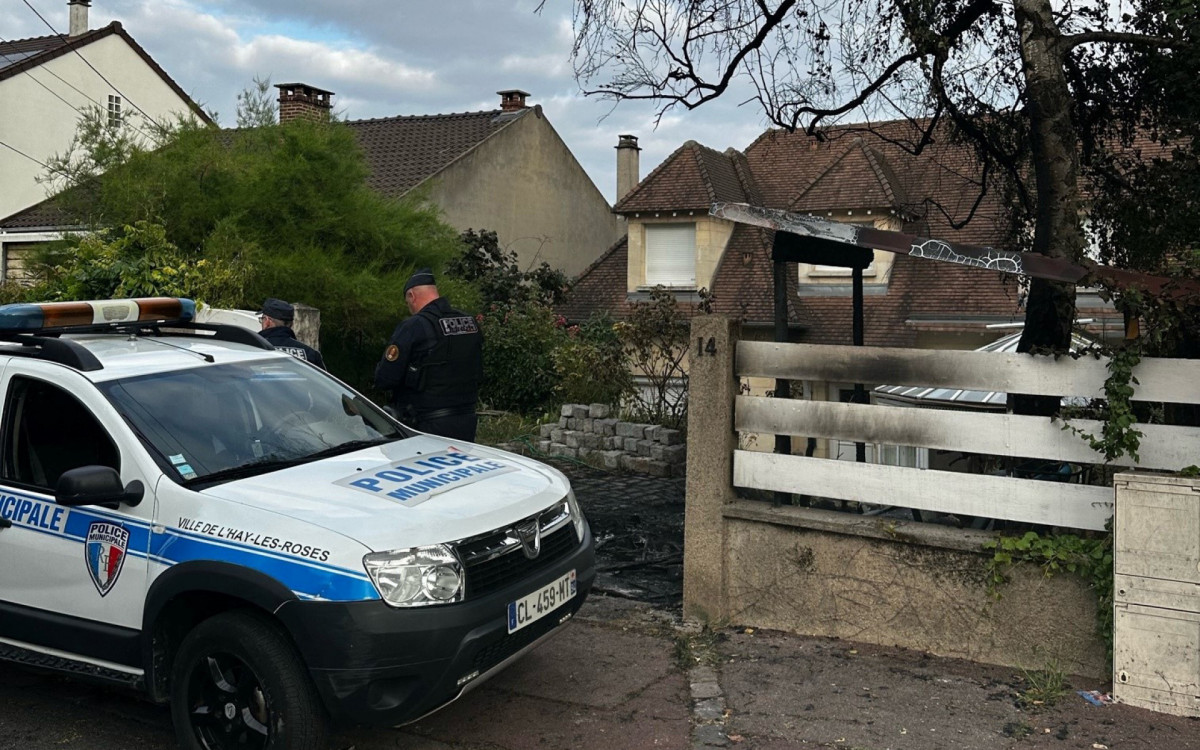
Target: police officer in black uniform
[(276, 318), (433, 363)]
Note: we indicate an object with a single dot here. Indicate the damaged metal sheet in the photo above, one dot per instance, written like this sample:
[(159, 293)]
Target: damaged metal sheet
[(974, 256)]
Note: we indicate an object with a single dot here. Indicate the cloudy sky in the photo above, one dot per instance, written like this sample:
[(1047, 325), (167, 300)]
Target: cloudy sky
[(397, 57)]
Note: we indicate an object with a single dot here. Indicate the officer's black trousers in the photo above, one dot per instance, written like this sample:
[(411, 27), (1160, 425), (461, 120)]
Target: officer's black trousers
[(455, 426)]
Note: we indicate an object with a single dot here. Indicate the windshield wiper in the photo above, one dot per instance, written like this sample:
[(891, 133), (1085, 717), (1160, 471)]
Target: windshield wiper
[(349, 447), (253, 468)]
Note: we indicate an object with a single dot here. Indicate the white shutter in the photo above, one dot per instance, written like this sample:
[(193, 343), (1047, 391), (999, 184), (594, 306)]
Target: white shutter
[(671, 255)]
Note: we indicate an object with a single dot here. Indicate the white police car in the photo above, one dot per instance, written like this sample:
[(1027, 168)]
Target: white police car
[(188, 512)]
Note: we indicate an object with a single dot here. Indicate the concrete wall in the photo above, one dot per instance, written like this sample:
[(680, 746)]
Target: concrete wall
[(876, 580), (525, 184), (38, 123), (921, 586)]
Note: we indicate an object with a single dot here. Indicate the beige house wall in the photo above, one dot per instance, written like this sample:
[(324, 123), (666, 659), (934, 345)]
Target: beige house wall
[(525, 184), (38, 123), (712, 237)]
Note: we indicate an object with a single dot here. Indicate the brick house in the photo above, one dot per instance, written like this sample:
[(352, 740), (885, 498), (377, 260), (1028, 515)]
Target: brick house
[(846, 176), (849, 177)]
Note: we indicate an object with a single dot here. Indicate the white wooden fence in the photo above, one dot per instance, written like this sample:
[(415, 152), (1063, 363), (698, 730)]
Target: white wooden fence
[(1002, 497)]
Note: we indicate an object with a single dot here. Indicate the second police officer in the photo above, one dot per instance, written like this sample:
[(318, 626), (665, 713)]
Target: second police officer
[(276, 316), (433, 364)]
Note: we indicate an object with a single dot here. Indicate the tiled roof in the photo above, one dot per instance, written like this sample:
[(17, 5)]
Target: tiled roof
[(691, 178), (21, 55), (404, 151), (400, 152), (601, 286), (847, 170), (47, 214)]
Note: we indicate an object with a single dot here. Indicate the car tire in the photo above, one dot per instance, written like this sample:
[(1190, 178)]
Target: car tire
[(238, 682)]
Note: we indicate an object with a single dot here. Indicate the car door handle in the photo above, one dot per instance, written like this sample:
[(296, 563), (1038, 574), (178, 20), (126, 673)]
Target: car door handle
[(4, 522)]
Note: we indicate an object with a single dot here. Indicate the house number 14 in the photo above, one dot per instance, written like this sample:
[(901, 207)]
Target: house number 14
[(703, 348)]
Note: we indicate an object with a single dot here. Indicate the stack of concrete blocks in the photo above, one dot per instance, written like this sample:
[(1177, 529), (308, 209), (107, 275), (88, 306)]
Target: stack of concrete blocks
[(591, 433)]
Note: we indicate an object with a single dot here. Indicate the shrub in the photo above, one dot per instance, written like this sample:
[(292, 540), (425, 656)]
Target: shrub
[(591, 365), (655, 336), (518, 357)]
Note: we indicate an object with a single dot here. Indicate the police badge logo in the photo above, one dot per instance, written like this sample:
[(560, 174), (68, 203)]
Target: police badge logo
[(104, 549)]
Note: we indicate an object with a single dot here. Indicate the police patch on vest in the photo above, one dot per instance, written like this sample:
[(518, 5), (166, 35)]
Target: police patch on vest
[(458, 326), (392, 353)]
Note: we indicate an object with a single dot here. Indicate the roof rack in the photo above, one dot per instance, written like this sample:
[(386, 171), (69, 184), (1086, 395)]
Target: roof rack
[(220, 332), (63, 351)]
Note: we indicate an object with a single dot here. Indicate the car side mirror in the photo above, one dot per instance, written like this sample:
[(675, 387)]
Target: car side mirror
[(96, 485)]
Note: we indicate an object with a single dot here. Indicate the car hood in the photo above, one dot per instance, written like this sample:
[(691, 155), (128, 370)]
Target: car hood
[(421, 490)]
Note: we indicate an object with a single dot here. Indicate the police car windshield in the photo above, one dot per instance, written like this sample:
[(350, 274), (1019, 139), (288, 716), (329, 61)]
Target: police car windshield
[(245, 418)]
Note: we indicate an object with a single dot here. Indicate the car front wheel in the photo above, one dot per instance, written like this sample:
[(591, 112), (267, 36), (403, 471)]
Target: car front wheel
[(237, 682)]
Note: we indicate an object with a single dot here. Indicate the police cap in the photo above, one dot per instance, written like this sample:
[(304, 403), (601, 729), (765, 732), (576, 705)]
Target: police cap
[(277, 309), (423, 277)]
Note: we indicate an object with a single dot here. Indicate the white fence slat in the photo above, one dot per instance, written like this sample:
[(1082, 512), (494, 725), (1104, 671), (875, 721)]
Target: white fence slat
[(1049, 503), (1170, 380), (1162, 447)]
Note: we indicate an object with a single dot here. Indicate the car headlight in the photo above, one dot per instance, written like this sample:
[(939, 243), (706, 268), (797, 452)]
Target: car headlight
[(416, 577), (576, 514)]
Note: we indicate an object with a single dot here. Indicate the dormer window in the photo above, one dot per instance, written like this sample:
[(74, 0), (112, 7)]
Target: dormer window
[(114, 111), (671, 255)]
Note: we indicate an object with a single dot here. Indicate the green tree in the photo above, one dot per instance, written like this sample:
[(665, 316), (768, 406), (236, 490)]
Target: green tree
[(287, 206)]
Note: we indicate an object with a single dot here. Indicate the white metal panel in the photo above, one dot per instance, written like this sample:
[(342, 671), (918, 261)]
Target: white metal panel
[(1050, 503), (1162, 447), (1156, 658), (1156, 592), (1170, 380), (1157, 527)]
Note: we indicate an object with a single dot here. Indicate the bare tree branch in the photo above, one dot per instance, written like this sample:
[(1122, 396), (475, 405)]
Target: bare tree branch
[(1117, 37)]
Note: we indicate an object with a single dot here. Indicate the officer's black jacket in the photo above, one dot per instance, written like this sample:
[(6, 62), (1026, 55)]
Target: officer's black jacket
[(448, 380), (283, 338)]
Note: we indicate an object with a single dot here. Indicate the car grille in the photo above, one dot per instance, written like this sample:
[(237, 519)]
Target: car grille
[(505, 646), (492, 562)]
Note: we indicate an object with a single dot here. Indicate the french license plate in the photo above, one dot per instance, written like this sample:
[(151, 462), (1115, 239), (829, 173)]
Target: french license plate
[(540, 603)]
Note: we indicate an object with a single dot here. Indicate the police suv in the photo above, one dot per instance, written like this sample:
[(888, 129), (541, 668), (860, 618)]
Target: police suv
[(188, 512)]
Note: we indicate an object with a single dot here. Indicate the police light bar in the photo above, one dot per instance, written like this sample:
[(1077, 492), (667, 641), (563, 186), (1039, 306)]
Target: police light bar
[(109, 312)]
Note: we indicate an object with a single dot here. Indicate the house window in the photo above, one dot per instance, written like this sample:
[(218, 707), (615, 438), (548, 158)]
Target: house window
[(671, 255), (114, 111), (819, 270)]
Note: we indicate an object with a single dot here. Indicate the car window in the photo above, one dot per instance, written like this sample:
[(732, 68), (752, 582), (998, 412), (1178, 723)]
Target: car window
[(217, 418), (47, 431)]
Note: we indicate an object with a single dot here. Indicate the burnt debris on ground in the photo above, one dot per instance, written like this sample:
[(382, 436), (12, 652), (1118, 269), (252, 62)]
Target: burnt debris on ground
[(638, 525)]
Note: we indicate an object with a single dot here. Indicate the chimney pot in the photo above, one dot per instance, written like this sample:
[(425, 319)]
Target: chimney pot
[(301, 101), (78, 17), (512, 100), (628, 167)]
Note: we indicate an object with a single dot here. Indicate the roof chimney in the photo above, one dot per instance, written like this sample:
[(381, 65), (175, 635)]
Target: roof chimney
[(299, 101), (79, 16), (512, 100), (628, 173)]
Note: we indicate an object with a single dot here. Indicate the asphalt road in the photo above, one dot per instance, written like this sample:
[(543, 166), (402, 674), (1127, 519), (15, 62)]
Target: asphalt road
[(610, 679)]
